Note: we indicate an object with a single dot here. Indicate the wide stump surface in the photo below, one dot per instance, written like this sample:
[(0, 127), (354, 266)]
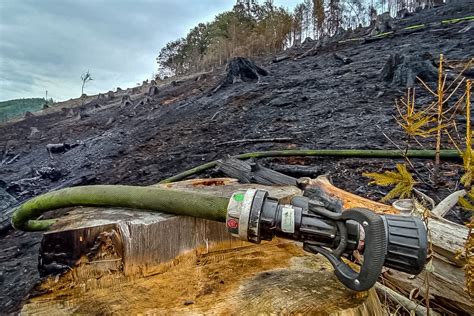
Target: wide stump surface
[(275, 277)]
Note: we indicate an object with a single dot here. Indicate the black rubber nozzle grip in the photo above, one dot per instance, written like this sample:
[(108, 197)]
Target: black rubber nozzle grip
[(374, 253)]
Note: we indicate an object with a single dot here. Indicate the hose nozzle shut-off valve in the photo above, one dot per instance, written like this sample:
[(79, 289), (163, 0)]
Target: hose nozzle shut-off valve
[(393, 241)]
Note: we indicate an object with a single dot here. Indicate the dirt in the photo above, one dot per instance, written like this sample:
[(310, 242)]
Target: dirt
[(317, 101)]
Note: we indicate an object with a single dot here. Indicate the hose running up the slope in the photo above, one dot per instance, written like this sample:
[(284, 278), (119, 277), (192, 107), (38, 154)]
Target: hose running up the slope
[(172, 201)]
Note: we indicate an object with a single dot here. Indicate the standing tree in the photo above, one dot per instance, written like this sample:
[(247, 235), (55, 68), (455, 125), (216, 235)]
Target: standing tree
[(318, 17), (86, 77)]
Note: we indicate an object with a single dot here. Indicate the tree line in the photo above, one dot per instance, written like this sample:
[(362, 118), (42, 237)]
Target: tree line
[(252, 28)]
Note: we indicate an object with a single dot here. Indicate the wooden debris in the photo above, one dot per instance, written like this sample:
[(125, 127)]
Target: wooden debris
[(448, 203), (278, 59), (253, 173), (403, 301)]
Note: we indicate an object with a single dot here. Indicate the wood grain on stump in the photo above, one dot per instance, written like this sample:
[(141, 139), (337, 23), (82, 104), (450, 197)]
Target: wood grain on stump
[(275, 277)]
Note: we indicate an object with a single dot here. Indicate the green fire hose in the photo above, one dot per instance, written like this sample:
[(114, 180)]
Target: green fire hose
[(172, 201), (146, 198)]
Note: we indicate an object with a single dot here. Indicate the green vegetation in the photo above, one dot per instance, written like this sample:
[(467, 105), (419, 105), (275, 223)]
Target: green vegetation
[(18, 107), (252, 29)]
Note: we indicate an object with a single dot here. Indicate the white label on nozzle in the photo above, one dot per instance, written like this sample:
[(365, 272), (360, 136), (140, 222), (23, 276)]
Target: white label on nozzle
[(287, 219)]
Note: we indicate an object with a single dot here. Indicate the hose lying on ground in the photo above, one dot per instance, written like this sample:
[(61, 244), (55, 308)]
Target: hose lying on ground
[(345, 153), (173, 201)]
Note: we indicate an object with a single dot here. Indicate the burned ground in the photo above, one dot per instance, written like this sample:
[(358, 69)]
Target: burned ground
[(317, 101)]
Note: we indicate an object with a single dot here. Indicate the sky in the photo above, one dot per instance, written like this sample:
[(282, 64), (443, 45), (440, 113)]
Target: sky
[(49, 44)]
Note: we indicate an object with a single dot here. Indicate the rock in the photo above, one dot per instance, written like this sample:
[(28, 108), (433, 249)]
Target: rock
[(402, 70)]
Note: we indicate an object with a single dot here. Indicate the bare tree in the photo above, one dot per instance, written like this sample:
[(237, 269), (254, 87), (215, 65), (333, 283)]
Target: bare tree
[(86, 77)]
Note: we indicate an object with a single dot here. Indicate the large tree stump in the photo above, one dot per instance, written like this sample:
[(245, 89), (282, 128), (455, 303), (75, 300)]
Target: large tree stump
[(241, 69), (402, 70), (275, 277)]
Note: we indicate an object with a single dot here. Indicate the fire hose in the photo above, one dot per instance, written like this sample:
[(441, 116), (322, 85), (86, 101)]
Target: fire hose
[(394, 241)]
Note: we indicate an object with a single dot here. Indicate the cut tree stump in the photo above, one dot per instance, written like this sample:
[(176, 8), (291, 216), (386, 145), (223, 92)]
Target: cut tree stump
[(273, 278), (241, 69), (402, 70)]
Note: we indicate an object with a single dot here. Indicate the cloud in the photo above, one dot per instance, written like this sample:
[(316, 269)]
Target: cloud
[(47, 45)]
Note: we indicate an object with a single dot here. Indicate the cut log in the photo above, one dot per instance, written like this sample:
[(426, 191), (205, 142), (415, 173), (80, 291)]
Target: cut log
[(272, 278)]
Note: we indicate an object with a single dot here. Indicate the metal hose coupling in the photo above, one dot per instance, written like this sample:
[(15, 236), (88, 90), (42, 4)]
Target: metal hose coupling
[(393, 241)]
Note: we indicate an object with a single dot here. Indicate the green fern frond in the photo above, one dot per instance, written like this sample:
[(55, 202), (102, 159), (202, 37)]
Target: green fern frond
[(401, 179)]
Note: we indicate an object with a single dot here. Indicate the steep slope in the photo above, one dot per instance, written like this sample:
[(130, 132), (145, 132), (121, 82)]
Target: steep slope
[(318, 101)]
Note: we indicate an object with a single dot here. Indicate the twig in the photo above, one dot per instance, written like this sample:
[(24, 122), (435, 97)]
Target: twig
[(403, 301), (256, 140), (215, 114), (11, 160), (425, 197)]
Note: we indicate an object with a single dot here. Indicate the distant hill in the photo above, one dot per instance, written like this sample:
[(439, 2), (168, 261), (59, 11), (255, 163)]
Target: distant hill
[(18, 107)]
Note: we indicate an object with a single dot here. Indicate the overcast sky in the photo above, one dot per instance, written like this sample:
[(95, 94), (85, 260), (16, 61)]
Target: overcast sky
[(48, 44)]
